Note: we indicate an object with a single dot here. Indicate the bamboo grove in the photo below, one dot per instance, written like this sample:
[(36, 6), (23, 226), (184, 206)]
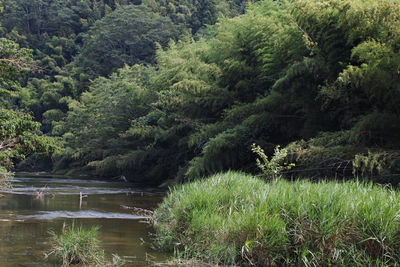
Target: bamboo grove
[(159, 90)]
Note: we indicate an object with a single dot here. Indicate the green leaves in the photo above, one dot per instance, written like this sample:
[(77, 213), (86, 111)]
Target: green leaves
[(13, 59), (19, 136), (126, 36), (274, 166), (283, 71)]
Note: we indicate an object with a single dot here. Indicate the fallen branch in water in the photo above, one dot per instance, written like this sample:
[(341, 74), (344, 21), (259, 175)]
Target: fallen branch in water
[(39, 194)]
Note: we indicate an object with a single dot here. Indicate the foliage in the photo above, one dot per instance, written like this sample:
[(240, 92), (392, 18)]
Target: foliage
[(19, 137), (340, 155), (5, 177), (12, 60), (329, 154), (377, 165), (19, 134), (60, 33), (197, 14), (95, 130), (269, 72), (274, 166), (233, 218), (126, 36)]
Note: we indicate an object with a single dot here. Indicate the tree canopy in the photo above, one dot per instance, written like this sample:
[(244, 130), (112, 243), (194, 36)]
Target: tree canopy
[(147, 90), (19, 134)]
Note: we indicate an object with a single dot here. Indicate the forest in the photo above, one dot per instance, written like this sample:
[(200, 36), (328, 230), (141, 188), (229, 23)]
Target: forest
[(177, 90)]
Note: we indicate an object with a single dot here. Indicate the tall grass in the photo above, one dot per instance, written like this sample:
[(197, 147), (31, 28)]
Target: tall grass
[(76, 245), (234, 218)]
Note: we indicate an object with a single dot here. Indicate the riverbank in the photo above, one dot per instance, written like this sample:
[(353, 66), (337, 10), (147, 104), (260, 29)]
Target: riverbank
[(234, 218)]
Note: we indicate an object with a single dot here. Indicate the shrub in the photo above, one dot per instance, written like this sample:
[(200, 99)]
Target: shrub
[(5, 178), (379, 165), (274, 166), (234, 218), (336, 155), (76, 245)]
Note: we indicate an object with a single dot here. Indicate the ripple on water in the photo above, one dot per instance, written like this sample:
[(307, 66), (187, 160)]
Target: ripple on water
[(82, 214), (67, 190), (31, 186)]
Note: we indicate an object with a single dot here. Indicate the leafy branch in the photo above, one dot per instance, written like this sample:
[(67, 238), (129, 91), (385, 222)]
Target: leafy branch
[(274, 166)]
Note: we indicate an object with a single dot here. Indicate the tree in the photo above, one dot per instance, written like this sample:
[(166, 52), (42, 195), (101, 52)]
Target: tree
[(126, 36), (94, 128), (12, 60), (19, 134)]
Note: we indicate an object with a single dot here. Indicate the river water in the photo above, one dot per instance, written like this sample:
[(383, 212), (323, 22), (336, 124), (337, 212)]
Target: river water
[(36, 205)]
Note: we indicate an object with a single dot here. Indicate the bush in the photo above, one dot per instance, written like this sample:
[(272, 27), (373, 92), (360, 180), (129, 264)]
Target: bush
[(234, 218), (5, 178), (75, 245), (272, 167), (337, 155)]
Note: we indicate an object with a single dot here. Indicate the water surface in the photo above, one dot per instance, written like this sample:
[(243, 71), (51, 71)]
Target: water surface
[(36, 205)]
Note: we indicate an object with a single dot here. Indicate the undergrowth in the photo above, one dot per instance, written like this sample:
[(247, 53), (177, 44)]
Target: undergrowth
[(236, 219)]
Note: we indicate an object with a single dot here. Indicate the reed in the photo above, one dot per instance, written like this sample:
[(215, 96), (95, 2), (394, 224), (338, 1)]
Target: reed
[(75, 245), (236, 219)]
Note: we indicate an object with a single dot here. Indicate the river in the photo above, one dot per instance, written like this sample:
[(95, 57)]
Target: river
[(36, 205)]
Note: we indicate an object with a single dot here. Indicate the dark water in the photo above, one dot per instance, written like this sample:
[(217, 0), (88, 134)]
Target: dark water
[(36, 205)]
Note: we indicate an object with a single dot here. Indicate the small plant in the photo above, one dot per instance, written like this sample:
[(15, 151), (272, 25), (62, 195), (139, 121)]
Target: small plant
[(76, 245), (271, 167), (5, 178)]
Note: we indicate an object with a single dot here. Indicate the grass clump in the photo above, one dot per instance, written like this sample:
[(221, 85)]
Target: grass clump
[(76, 245), (234, 218)]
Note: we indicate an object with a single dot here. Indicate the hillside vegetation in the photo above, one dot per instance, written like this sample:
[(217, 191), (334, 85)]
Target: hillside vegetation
[(146, 90)]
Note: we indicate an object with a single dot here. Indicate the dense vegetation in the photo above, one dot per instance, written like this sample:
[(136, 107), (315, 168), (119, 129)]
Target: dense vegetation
[(234, 218), (68, 43), (19, 134), (146, 90)]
